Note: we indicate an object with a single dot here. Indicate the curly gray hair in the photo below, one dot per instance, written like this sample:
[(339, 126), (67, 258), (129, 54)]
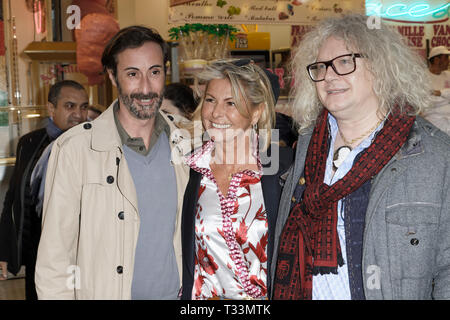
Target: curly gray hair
[(400, 74)]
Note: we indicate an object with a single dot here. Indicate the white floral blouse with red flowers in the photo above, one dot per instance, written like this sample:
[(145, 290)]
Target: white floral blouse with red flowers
[(230, 234)]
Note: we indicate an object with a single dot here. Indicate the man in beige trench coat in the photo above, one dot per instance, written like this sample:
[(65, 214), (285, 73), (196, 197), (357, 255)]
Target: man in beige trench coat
[(114, 189)]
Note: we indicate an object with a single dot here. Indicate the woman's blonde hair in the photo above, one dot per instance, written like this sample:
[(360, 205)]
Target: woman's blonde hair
[(400, 74), (250, 82)]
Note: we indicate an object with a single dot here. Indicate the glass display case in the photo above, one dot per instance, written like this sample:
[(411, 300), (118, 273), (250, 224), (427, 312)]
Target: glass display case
[(14, 123)]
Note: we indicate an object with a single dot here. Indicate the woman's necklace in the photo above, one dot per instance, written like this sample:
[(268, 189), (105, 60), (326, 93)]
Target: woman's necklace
[(342, 152)]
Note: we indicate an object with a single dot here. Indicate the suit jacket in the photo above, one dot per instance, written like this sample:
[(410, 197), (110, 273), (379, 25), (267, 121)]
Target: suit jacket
[(271, 187), (29, 149)]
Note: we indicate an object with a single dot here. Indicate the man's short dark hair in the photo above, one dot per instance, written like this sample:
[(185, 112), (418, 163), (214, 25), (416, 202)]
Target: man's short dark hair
[(53, 94), (182, 96), (131, 37)]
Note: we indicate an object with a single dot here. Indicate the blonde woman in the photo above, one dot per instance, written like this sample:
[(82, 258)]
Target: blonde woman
[(365, 211), (232, 197)]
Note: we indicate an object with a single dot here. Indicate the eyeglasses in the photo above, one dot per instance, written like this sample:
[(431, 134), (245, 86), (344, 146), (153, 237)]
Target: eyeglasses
[(342, 65)]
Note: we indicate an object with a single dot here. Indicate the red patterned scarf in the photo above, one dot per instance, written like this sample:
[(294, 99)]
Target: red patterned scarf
[(309, 243)]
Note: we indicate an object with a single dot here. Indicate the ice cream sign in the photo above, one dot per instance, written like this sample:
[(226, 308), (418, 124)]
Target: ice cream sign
[(432, 11)]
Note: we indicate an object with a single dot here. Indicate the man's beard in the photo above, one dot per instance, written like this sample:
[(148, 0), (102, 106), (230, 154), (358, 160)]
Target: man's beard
[(141, 112)]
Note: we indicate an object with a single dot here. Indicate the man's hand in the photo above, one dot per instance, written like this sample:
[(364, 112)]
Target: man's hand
[(3, 270)]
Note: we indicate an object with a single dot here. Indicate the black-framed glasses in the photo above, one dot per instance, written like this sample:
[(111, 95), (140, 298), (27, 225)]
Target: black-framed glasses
[(341, 65)]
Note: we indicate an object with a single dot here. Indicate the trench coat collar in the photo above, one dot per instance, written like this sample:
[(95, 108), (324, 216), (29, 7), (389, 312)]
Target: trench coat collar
[(105, 136)]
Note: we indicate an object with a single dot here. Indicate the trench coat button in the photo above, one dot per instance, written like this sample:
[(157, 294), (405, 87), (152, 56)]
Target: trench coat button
[(121, 215), (87, 126), (119, 269), (394, 169), (302, 181), (141, 148), (414, 241), (110, 179)]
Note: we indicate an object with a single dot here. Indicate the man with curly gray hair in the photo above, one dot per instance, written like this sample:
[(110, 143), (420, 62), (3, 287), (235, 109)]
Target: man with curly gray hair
[(365, 210)]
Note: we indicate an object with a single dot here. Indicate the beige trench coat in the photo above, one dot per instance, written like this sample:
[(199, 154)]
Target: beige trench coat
[(86, 249)]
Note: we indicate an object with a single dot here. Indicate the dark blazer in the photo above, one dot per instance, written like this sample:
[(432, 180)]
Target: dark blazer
[(29, 149), (271, 187)]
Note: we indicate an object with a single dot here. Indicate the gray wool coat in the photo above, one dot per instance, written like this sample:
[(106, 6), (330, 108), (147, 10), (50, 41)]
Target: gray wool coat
[(406, 242)]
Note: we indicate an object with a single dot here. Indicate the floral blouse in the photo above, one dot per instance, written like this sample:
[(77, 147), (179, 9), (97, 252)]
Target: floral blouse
[(231, 234)]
